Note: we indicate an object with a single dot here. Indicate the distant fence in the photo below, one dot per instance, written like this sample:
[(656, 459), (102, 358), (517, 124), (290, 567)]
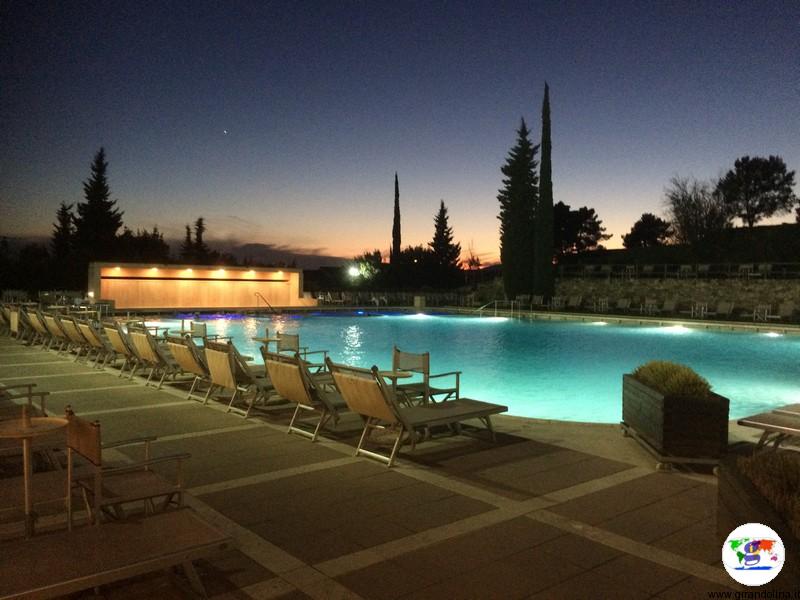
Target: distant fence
[(688, 270)]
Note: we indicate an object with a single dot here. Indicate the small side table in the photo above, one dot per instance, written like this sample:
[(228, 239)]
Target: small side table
[(26, 429)]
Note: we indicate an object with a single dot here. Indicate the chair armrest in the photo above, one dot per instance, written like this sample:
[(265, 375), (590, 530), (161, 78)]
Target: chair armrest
[(445, 374), (146, 464), (29, 396), (130, 442), (307, 352)]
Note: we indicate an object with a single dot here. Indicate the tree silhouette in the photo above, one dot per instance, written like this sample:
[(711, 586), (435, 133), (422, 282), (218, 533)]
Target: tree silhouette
[(187, 248), (97, 221), (696, 213), (444, 253), (757, 188), (576, 231), (648, 231), (202, 253), (517, 198), (62, 245), (543, 215), (394, 253)]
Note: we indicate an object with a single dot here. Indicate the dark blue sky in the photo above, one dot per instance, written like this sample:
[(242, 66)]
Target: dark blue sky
[(323, 102)]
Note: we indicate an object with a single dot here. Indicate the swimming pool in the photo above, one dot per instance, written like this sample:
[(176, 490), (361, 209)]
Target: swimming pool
[(549, 370)]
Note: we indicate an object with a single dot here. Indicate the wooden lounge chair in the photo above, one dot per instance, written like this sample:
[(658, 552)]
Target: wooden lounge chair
[(77, 342), (574, 302), (152, 355), (776, 427), (422, 391), (190, 359), (122, 346), (57, 334), (367, 394), (93, 556), (99, 343), (294, 383), (229, 371), (290, 342)]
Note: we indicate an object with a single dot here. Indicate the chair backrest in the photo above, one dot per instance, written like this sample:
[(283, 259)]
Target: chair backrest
[(288, 342), (364, 392), (286, 376), (575, 301), (670, 305), (199, 329), (71, 330), (83, 437), (118, 340), (410, 361), (53, 327), (623, 303), (142, 346), (725, 307), (35, 320), (219, 359), (187, 355), (91, 334)]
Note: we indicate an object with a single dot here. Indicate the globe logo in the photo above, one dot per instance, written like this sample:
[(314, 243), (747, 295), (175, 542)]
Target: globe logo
[(753, 554)]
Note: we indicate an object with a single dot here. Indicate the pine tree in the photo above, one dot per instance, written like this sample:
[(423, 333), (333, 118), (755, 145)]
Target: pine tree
[(445, 253), (98, 220), (61, 242), (62, 245), (394, 254), (543, 225), (201, 250), (517, 199), (187, 249)]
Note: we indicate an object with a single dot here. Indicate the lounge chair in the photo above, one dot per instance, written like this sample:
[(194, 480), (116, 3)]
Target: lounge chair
[(293, 382), (190, 359), (151, 354), (623, 305), (537, 302), (724, 310), (229, 371), (557, 303), (762, 312), (422, 390), (785, 312), (98, 342), (89, 557), (56, 332), (776, 427), (367, 394), (40, 333), (290, 342), (78, 343), (574, 302), (123, 347)]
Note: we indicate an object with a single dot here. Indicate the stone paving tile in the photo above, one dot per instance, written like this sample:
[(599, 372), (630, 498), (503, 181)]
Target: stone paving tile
[(165, 421), (30, 356), (692, 587), (97, 400), (580, 551), (229, 572), (590, 584), (385, 581), (649, 523), (649, 577), (699, 542), (70, 381), (606, 504), (32, 371), (466, 552)]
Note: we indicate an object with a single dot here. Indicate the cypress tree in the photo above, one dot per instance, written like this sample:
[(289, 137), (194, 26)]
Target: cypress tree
[(518, 198), (394, 253), (98, 219), (201, 250), (543, 271)]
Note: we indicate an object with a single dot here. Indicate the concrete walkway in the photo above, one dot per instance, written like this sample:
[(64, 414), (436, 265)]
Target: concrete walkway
[(552, 510)]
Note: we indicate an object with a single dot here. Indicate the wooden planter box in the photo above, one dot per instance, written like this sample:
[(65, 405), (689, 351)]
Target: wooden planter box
[(739, 502), (679, 427)]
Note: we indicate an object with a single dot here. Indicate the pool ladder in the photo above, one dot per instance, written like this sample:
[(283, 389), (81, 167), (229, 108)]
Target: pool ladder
[(271, 308)]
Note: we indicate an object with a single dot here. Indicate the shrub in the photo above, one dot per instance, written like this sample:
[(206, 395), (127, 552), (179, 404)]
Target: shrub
[(776, 475), (671, 379)]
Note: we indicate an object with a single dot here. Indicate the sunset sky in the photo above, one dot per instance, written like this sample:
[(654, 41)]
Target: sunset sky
[(284, 122)]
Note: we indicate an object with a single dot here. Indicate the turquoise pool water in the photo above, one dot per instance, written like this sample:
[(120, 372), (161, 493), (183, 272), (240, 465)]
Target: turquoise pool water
[(549, 370)]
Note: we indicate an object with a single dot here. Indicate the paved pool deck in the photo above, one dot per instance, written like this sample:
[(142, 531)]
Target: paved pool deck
[(551, 510)]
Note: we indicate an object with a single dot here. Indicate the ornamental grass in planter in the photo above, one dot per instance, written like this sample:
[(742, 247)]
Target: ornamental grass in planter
[(673, 409)]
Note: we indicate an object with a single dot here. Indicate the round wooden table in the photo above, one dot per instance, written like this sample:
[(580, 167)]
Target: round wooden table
[(26, 430)]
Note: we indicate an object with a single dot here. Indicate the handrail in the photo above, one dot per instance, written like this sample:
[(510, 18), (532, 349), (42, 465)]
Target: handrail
[(271, 308)]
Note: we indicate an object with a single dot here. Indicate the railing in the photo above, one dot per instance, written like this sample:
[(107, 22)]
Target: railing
[(763, 270), (271, 308)]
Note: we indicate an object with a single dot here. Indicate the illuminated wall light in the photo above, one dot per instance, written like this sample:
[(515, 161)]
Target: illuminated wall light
[(221, 271), (116, 268), (90, 294)]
